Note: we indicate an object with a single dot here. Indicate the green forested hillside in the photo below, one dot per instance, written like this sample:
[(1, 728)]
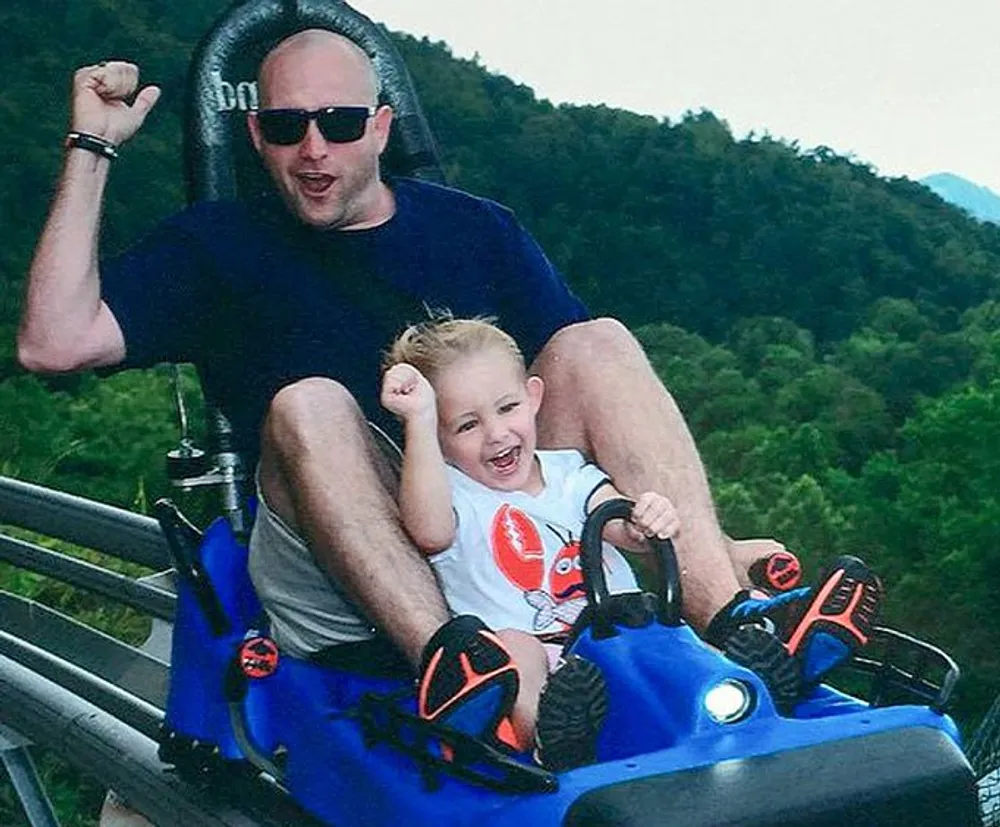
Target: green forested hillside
[(833, 337)]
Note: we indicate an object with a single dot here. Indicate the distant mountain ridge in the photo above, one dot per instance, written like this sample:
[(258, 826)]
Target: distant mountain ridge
[(980, 202)]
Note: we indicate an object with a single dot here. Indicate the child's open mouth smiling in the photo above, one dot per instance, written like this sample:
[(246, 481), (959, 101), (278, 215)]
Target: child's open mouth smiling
[(506, 461)]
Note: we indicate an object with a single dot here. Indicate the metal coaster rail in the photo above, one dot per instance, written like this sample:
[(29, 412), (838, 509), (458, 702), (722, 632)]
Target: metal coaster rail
[(92, 699)]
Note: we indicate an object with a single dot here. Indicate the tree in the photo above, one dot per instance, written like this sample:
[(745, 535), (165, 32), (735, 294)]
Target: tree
[(932, 512)]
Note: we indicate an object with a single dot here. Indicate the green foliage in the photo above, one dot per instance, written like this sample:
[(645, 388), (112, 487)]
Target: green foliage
[(653, 221), (902, 354), (76, 799), (105, 439), (832, 337), (930, 512), (811, 453)]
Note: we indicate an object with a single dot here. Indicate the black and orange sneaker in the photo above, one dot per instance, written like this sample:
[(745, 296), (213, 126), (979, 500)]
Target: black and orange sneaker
[(765, 655), (837, 620), (571, 711), (778, 572), (468, 681), (820, 628)]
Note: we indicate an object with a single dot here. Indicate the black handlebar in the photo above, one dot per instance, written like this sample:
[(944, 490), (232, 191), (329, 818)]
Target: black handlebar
[(592, 558), (183, 541)]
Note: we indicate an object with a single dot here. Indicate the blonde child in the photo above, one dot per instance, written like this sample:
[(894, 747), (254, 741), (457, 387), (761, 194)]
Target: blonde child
[(500, 520)]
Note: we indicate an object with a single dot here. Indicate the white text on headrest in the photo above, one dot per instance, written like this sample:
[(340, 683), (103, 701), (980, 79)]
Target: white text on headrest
[(229, 96)]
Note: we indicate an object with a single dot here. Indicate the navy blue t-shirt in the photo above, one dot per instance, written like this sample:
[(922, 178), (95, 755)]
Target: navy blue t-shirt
[(256, 299)]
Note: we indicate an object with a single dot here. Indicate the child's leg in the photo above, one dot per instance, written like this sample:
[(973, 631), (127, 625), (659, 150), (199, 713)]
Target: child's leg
[(533, 665), (561, 705)]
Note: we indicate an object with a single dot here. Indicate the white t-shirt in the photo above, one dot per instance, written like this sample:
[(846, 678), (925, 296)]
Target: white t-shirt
[(515, 561)]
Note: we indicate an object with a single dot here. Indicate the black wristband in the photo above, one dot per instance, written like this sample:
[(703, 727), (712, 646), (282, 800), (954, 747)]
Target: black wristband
[(91, 143)]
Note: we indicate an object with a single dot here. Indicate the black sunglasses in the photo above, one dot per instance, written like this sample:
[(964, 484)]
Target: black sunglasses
[(337, 124)]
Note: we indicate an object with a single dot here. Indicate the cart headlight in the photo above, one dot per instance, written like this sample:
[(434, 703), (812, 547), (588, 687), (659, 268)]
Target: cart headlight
[(729, 701)]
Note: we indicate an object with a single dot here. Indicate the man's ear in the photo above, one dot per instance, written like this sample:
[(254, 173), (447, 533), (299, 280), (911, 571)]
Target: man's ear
[(381, 124), (536, 390), (254, 129)]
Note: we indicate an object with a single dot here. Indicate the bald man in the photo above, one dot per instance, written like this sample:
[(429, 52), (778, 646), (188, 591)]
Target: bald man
[(270, 298)]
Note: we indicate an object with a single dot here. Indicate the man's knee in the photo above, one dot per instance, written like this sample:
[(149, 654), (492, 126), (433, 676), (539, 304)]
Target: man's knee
[(588, 354), (315, 427), (310, 409), (580, 343)]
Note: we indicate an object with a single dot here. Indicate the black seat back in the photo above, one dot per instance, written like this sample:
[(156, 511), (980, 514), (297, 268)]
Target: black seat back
[(220, 162)]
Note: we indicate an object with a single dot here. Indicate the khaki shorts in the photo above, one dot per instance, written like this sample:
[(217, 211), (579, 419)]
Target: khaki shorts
[(307, 609)]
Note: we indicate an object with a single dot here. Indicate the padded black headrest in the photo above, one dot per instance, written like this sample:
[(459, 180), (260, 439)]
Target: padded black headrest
[(220, 162)]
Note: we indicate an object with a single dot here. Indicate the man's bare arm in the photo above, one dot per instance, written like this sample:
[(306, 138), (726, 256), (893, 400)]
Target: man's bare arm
[(64, 324)]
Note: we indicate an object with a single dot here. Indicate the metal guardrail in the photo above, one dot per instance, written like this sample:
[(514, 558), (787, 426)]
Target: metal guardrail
[(52, 666), (140, 672), (97, 742), (87, 523), (94, 700), (81, 574), (110, 699)]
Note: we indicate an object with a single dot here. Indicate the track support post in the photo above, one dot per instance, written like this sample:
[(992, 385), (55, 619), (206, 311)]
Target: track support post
[(23, 775)]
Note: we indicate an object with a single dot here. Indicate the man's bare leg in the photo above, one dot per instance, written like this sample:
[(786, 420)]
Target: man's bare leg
[(319, 472), (744, 553), (603, 397)]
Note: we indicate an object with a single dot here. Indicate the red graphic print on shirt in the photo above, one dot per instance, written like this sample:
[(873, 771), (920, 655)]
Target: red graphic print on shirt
[(565, 597), (517, 548), (565, 577)]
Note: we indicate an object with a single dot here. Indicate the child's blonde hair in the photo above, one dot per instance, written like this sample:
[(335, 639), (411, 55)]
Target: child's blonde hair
[(432, 345)]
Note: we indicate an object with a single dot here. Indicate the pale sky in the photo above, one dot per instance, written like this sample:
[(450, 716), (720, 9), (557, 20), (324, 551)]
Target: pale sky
[(909, 86)]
